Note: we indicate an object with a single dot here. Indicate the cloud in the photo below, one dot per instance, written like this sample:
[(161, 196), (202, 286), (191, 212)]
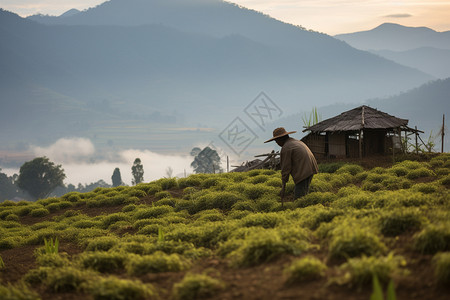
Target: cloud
[(398, 16), (82, 164), (67, 150)]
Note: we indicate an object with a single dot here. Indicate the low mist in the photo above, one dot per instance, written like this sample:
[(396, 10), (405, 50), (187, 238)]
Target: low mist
[(83, 164)]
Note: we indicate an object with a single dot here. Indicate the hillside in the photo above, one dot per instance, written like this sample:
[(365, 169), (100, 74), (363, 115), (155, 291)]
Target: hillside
[(229, 234), (430, 60), (159, 58), (395, 37), (420, 48)]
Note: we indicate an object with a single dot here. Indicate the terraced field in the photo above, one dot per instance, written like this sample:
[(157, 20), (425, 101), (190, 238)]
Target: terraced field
[(228, 236)]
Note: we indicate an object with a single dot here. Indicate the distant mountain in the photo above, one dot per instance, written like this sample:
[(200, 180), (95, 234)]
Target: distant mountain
[(416, 47), (46, 19), (430, 60), (179, 62), (396, 37)]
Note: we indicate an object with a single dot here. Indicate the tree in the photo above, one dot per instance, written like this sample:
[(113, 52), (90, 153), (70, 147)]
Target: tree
[(137, 170), (40, 176), (206, 161), (116, 178)]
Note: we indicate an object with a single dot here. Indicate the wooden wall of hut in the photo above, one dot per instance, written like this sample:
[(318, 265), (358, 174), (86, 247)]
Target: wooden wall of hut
[(374, 141), (316, 144), (336, 144)]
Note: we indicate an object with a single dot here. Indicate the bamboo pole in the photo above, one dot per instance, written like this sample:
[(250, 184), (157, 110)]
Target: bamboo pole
[(443, 133), (417, 145)]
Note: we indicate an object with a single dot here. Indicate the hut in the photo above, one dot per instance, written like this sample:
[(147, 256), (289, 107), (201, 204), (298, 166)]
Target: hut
[(362, 131)]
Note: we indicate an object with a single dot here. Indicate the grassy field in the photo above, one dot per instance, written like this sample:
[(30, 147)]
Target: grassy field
[(227, 236)]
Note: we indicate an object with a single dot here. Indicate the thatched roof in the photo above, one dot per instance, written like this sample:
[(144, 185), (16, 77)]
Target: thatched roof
[(363, 117)]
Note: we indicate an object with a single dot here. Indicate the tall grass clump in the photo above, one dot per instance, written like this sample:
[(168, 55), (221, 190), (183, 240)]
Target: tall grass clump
[(152, 212), (156, 263), (257, 249), (19, 291), (113, 288), (103, 262), (419, 173), (433, 238), (315, 198), (399, 221), (67, 279), (354, 240), (265, 220), (102, 243), (441, 263), (360, 271), (305, 269), (197, 286)]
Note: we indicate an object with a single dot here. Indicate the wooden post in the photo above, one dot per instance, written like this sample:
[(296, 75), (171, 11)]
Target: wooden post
[(417, 144), (361, 133), (360, 143), (228, 165), (443, 133)]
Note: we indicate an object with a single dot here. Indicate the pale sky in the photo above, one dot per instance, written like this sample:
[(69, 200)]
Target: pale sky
[(328, 16)]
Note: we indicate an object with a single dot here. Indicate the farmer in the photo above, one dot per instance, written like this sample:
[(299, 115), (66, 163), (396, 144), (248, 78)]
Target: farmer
[(296, 160)]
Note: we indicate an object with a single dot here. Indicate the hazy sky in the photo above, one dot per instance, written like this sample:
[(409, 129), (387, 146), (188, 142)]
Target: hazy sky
[(328, 16)]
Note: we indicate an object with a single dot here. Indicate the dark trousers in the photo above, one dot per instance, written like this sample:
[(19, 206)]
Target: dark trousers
[(302, 188)]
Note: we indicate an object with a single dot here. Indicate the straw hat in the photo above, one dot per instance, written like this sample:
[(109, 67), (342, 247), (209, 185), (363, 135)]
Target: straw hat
[(279, 132)]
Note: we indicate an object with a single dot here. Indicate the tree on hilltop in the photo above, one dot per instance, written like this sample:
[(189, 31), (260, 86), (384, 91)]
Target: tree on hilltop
[(206, 161), (40, 177), (137, 170), (116, 178)]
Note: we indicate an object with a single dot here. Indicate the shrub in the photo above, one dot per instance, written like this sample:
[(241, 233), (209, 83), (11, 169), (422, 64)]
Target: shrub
[(433, 238), (86, 223), (7, 243), (128, 208), (307, 268), (397, 222), (330, 167), (354, 241), (52, 260), (168, 201), (441, 263), (315, 198), (265, 220), (360, 271), (258, 249), (113, 288), (190, 181), (110, 219), (18, 291), (419, 173), (36, 276), (167, 183), (12, 217), (153, 212), (102, 243), (163, 194), (196, 286), (350, 168), (245, 206), (267, 204), (224, 200), (39, 212), (103, 262), (152, 189), (67, 279), (256, 191), (399, 171), (275, 182), (156, 263)]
